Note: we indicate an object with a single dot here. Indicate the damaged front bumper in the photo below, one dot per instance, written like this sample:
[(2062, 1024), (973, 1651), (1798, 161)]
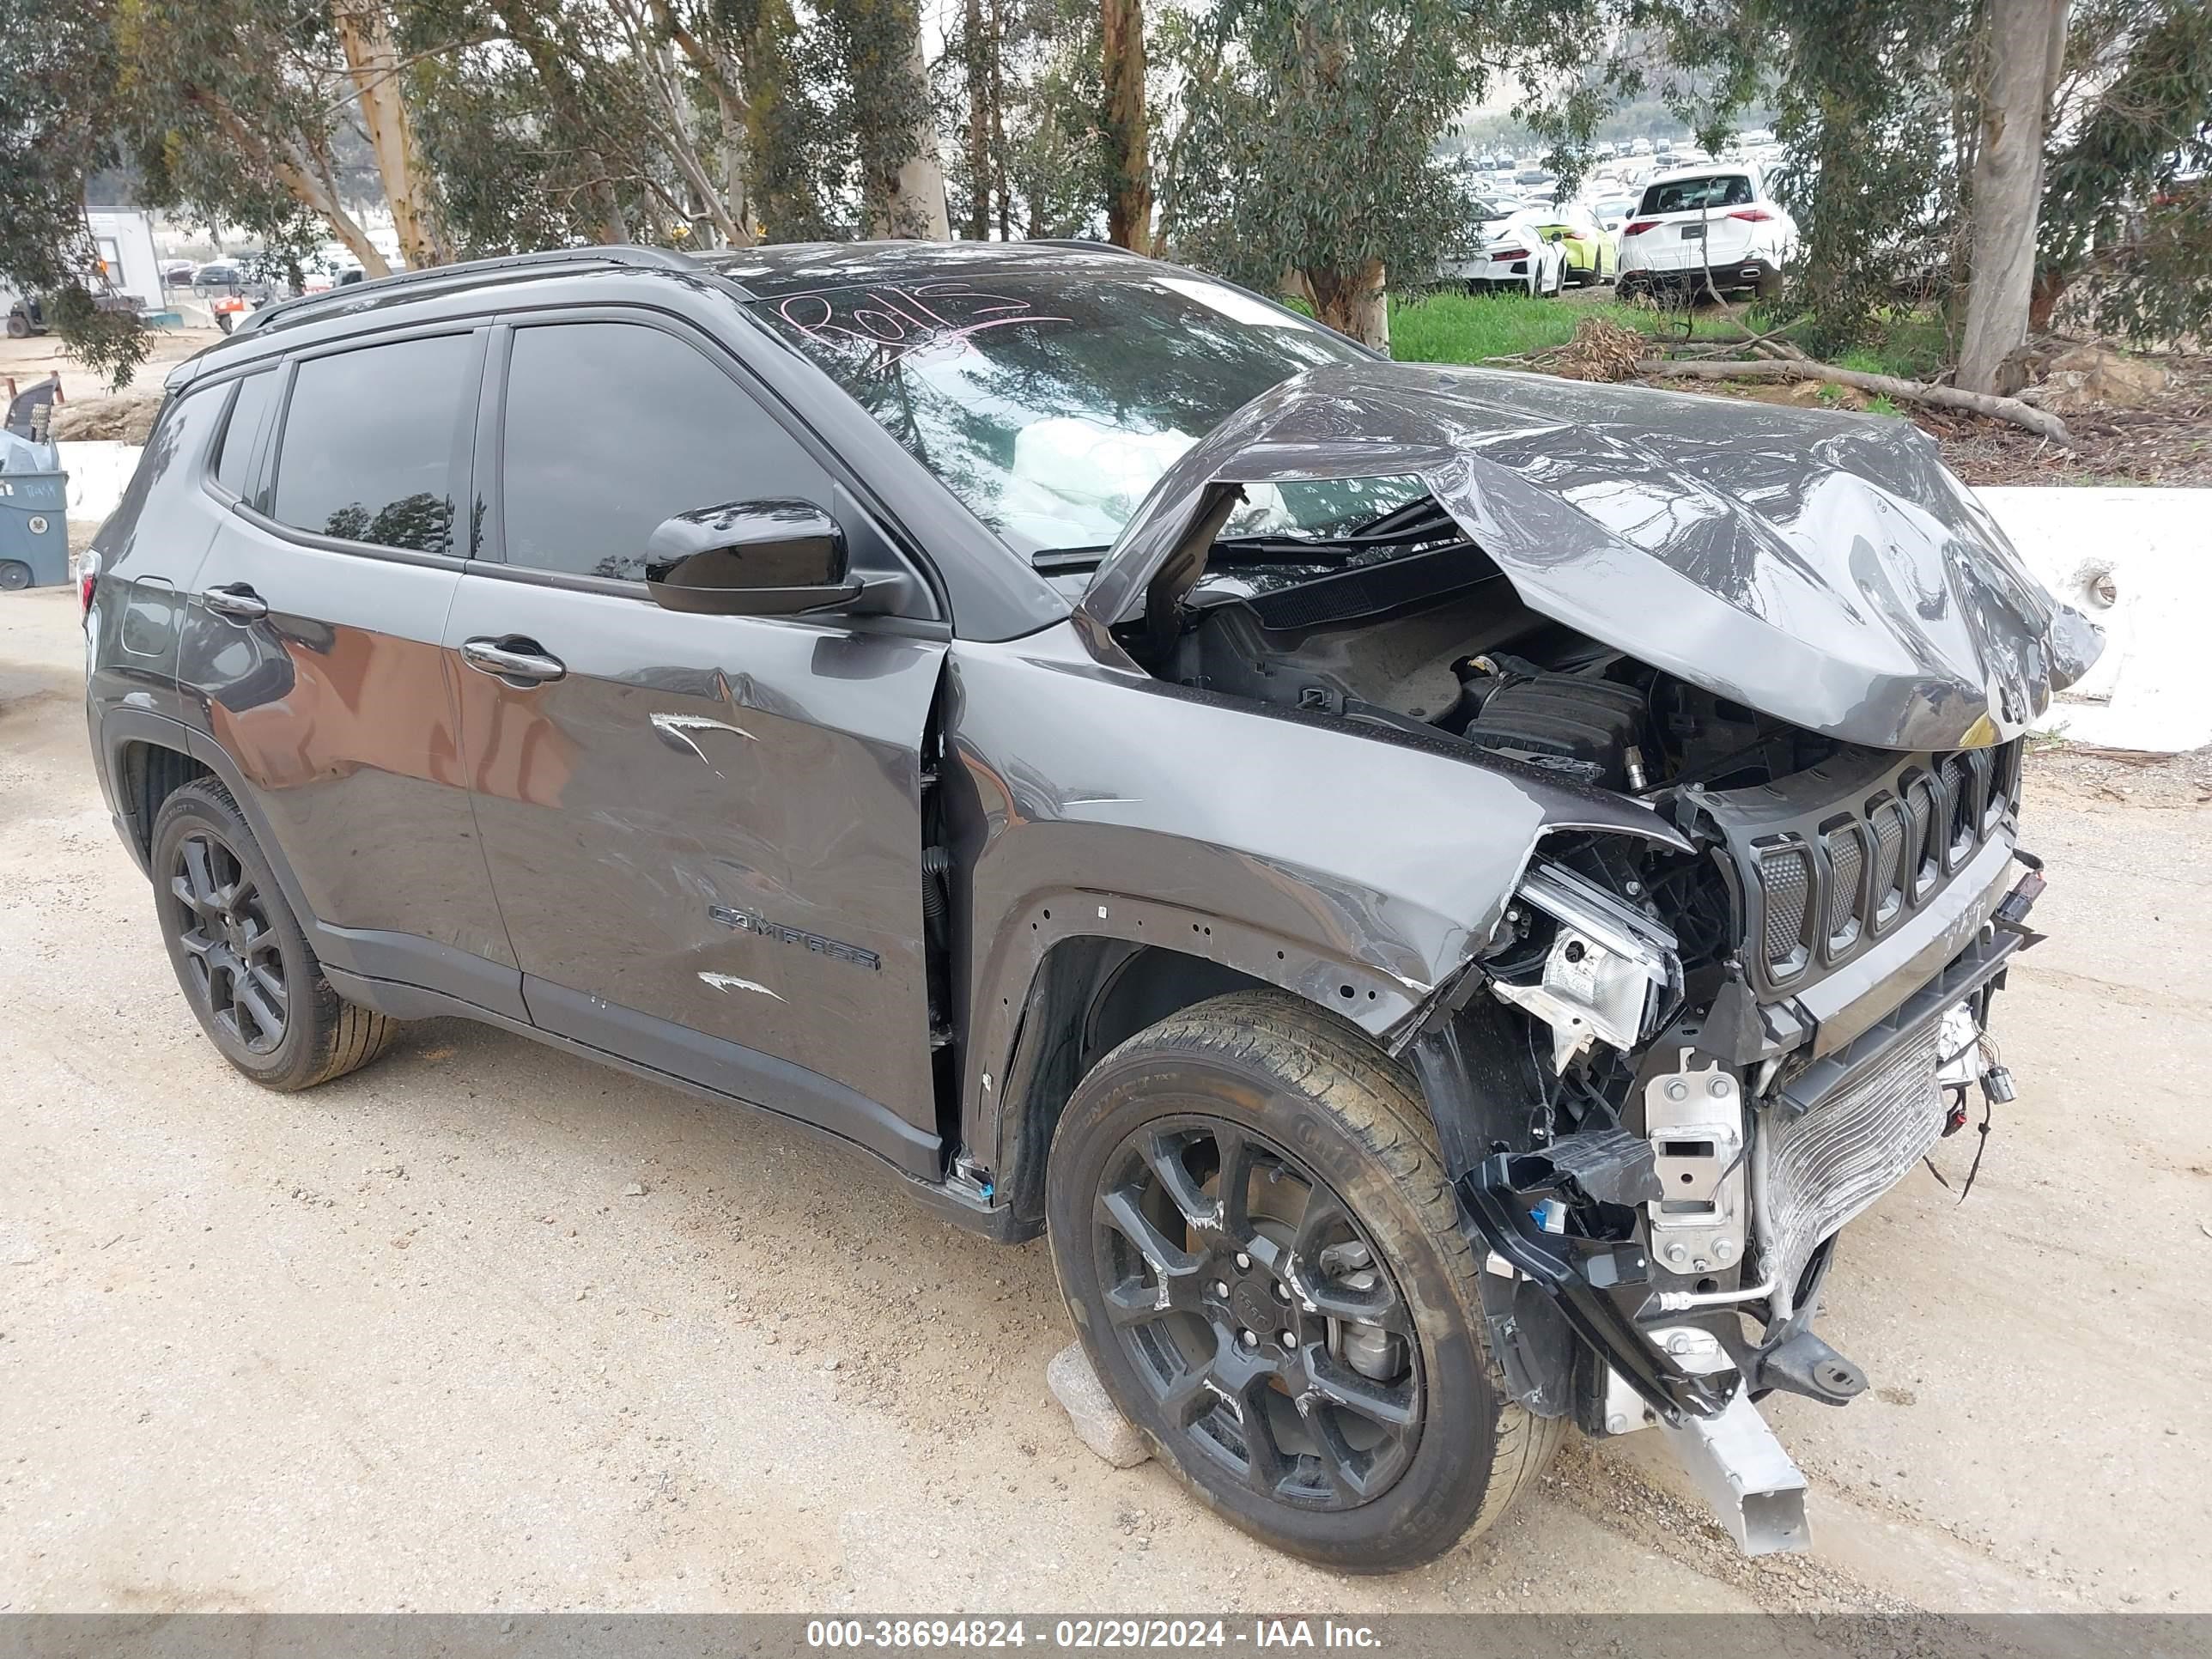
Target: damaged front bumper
[(1610, 1297)]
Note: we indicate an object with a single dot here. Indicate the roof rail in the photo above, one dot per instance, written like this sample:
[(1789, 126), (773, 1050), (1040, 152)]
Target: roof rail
[(463, 275), (1089, 244)]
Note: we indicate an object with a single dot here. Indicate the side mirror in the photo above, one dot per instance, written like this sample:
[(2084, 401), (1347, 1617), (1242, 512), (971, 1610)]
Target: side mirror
[(772, 557)]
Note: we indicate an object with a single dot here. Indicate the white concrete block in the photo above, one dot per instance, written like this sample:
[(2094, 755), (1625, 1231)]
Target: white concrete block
[(1096, 1421), (2138, 563)]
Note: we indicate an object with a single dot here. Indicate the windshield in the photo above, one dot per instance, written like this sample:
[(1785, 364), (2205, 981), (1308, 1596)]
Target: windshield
[(1052, 407), (1726, 190)]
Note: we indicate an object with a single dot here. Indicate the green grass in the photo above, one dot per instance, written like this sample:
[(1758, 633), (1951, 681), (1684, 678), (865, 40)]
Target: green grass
[(1459, 328), (1912, 349)]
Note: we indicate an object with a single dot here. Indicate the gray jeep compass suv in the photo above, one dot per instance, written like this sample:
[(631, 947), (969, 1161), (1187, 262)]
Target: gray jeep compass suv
[(1439, 890)]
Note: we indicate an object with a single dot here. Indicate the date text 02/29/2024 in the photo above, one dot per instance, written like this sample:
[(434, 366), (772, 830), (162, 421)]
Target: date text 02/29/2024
[(1084, 1635)]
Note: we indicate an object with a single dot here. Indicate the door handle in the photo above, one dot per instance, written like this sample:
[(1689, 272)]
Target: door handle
[(238, 602), (513, 660)]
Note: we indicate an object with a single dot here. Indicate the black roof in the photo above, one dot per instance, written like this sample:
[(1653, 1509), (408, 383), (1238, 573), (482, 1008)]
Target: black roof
[(763, 272), (782, 268)]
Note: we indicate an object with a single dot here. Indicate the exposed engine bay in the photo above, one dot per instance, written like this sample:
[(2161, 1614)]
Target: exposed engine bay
[(1721, 1056)]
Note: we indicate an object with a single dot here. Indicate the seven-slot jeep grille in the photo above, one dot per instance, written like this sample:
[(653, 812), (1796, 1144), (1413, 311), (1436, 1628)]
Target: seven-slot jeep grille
[(1833, 859)]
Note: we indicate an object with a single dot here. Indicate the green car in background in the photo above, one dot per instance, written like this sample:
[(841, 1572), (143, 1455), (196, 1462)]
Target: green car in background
[(1591, 255)]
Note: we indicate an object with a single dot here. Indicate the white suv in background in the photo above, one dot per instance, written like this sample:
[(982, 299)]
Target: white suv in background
[(1713, 222)]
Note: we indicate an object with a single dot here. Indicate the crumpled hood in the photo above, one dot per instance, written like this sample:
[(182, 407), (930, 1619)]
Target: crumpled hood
[(1824, 568)]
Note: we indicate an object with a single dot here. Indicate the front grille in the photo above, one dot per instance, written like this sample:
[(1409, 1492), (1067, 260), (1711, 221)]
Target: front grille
[(1814, 1171), (1806, 843), (1889, 824), (1846, 864), (1786, 877)]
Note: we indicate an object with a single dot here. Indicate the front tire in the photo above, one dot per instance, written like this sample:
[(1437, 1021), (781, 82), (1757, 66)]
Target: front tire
[(1254, 1232), (240, 957)]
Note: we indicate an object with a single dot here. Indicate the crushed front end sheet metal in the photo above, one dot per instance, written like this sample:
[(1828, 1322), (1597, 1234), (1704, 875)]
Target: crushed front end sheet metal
[(1831, 1141), (1825, 570)]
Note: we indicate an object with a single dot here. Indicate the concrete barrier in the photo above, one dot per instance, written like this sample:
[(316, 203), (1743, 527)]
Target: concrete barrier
[(2137, 563), (98, 470)]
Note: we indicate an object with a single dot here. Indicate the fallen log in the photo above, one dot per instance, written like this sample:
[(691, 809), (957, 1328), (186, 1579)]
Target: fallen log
[(1885, 385)]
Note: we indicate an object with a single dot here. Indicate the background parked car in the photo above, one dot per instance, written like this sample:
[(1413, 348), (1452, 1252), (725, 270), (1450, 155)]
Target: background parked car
[(1716, 225), (1587, 249), (1611, 212), (1514, 254)]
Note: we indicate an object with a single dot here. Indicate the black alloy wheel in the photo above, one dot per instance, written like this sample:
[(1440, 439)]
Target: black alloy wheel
[(233, 957), (242, 960), (1257, 1240), (1259, 1314)]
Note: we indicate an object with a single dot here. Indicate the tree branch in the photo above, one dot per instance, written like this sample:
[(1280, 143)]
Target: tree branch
[(1885, 385)]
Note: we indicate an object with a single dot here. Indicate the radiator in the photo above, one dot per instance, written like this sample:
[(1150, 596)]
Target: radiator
[(1814, 1171)]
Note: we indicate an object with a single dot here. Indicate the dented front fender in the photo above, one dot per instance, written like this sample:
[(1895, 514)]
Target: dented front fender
[(1358, 868)]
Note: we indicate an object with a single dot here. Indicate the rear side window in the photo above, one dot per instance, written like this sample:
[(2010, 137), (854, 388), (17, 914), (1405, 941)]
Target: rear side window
[(1726, 190), (235, 449), (612, 428), (369, 444)]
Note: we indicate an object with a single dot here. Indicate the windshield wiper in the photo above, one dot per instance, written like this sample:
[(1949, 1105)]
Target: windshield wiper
[(1281, 550), (1052, 561), (1417, 523)]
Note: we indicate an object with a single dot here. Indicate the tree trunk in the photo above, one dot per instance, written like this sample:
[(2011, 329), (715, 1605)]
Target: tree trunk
[(717, 71), (296, 170), (901, 182), (979, 124), (1355, 304), (922, 176), (999, 182), (2027, 45), (365, 33), (1128, 137)]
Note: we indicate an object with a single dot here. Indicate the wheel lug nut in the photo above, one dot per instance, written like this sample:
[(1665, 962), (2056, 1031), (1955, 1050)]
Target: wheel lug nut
[(1243, 1261), (1282, 1291), (1251, 1339), (1289, 1341), (1221, 1288)]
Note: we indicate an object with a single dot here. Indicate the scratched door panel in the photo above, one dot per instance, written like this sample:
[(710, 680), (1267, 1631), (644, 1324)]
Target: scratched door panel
[(310, 652), (713, 821)]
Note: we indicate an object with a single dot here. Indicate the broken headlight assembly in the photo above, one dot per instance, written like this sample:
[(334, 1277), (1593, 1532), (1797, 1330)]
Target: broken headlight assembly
[(1608, 968)]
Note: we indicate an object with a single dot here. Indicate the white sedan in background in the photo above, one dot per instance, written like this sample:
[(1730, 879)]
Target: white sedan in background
[(1713, 224), (1513, 253)]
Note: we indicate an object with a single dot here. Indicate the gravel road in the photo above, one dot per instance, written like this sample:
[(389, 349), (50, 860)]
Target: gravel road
[(486, 1327)]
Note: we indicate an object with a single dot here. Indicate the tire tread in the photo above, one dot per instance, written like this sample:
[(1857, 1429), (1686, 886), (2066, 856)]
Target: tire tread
[(1338, 1066), (342, 1036)]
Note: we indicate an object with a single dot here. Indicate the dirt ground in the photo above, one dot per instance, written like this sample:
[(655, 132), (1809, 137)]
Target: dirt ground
[(414, 1342), (31, 360)]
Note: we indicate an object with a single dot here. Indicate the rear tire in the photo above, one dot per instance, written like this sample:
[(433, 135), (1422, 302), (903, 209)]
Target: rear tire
[(14, 575), (240, 957), (1314, 1115)]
